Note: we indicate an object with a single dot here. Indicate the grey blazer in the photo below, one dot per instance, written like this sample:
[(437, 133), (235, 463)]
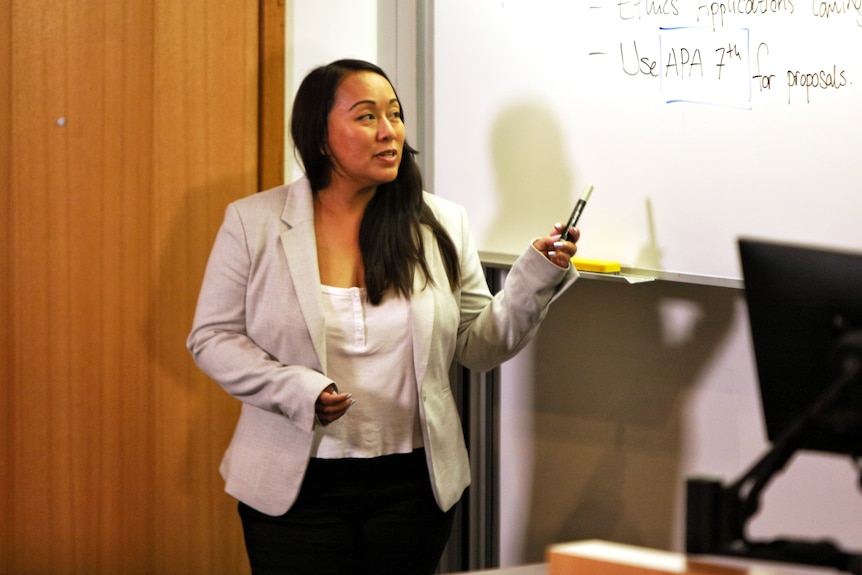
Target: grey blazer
[(259, 332)]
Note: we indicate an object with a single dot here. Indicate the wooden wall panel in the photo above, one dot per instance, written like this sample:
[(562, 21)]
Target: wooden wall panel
[(273, 19), (6, 372), (111, 436)]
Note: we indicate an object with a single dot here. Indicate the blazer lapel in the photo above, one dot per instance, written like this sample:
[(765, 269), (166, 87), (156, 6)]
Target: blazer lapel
[(300, 250), (422, 308)]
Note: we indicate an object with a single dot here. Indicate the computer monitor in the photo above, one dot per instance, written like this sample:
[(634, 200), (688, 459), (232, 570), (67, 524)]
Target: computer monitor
[(801, 301)]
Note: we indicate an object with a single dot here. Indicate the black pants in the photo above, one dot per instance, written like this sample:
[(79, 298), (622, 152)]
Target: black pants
[(353, 517)]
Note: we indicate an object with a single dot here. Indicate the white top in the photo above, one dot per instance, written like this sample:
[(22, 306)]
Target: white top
[(369, 353)]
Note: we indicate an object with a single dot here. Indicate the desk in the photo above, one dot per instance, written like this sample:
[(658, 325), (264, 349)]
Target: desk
[(594, 557), (601, 557), (537, 569)]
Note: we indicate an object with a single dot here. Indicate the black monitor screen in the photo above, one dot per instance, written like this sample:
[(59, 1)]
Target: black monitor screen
[(801, 300)]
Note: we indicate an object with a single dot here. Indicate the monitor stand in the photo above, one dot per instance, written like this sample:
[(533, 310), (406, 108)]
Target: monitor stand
[(716, 515)]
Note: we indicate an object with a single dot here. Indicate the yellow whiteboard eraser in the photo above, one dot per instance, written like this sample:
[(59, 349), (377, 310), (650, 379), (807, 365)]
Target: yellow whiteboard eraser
[(598, 266)]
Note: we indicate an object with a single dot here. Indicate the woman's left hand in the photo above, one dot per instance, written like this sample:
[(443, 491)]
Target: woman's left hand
[(555, 249)]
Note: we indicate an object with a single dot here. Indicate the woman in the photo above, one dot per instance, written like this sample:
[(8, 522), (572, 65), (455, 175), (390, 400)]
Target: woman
[(333, 308)]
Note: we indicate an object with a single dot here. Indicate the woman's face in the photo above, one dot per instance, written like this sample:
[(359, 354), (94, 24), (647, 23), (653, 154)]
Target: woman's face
[(366, 135)]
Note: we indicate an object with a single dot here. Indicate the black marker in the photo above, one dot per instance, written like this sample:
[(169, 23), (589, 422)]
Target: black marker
[(576, 213)]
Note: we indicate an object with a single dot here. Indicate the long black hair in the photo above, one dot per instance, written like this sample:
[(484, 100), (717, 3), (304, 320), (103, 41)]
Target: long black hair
[(390, 240)]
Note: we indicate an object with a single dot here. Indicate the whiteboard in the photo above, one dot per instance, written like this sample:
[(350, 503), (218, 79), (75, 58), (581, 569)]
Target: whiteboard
[(697, 121)]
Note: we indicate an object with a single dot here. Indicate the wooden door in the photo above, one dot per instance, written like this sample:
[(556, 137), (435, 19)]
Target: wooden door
[(125, 128)]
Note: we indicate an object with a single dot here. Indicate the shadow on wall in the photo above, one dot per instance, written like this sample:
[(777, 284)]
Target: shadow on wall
[(197, 416), (533, 181), (608, 369), (611, 364)]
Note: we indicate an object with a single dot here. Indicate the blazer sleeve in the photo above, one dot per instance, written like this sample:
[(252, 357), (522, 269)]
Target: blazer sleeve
[(220, 344), (494, 328)]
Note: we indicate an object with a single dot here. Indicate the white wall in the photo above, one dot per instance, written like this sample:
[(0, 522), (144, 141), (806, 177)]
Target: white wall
[(380, 31), (626, 391), (318, 32)]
